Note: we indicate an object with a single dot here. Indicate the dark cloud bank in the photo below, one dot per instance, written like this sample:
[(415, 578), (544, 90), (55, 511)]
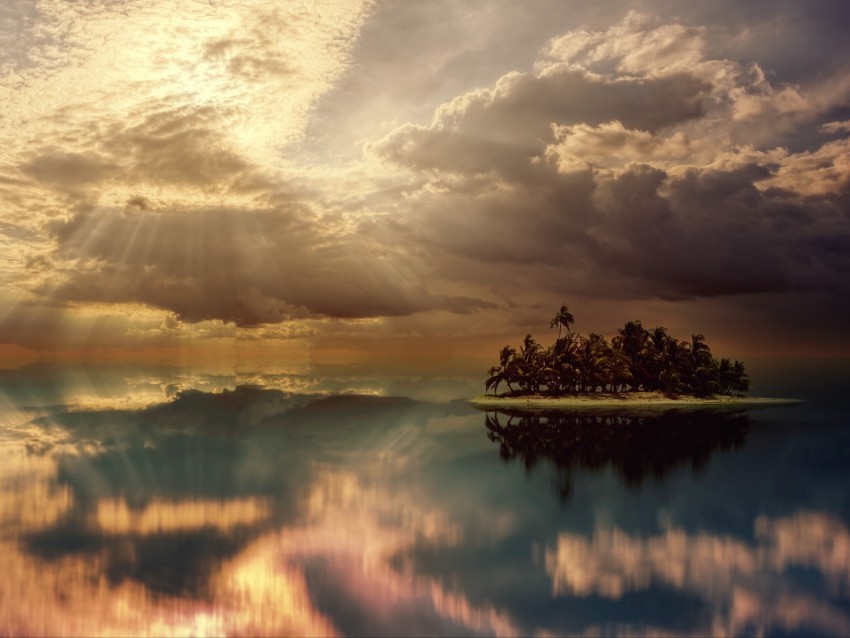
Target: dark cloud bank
[(617, 185)]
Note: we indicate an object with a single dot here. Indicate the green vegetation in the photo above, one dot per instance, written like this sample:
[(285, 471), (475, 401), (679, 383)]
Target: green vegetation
[(635, 360)]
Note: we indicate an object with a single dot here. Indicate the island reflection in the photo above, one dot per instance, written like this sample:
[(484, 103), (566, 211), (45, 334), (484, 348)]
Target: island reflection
[(636, 446)]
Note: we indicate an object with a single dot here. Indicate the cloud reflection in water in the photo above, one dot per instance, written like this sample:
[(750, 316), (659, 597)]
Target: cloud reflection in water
[(206, 515), (258, 511), (745, 582)]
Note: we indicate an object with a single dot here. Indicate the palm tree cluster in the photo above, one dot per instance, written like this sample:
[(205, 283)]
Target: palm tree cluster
[(635, 360)]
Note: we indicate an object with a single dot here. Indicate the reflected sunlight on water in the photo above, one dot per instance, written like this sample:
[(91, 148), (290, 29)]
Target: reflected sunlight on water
[(253, 511), (30, 498), (354, 530), (115, 517)]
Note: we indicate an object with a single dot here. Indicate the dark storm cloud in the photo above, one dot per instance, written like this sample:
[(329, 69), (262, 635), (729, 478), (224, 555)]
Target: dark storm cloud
[(714, 234), (623, 183), (710, 233), (245, 266)]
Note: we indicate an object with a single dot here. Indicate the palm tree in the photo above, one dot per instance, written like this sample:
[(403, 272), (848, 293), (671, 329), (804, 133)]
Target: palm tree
[(699, 346), (725, 375), (563, 318), (704, 369), (565, 357), (618, 369), (595, 362), (494, 377), (741, 381), (502, 372), (670, 381), (634, 341), (530, 364)]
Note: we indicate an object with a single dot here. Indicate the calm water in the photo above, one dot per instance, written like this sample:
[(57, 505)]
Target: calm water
[(168, 502)]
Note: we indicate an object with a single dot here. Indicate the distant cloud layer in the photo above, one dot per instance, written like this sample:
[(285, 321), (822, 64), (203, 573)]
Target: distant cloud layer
[(238, 163)]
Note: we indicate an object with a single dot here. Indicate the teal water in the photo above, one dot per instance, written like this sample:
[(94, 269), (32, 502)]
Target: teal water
[(173, 502)]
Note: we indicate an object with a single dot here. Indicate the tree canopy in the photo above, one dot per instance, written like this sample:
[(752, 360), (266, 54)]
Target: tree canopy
[(636, 359)]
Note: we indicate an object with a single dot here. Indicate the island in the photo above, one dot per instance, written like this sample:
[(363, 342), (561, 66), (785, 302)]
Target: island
[(637, 369), (627, 403)]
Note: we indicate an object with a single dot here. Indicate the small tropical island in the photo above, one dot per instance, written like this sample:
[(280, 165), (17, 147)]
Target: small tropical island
[(636, 368)]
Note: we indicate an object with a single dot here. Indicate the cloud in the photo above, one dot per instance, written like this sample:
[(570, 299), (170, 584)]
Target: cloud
[(68, 170), (512, 118), (272, 259), (247, 266), (631, 165), (836, 128), (637, 45), (165, 195), (161, 148), (183, 146), (215, 172)]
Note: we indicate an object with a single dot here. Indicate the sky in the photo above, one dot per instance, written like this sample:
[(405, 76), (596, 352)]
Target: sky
[(420, 179)]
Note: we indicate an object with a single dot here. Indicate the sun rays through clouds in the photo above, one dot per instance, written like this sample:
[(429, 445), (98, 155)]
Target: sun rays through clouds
[(357, 170)]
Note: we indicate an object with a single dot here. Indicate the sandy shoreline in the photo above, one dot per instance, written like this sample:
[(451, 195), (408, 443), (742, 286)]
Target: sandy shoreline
[(631, 400)]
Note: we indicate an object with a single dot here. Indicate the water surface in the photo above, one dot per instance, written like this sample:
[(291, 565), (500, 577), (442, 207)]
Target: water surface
[(172, 502)]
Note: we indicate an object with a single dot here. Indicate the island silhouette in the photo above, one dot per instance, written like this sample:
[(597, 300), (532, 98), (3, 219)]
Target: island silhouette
[(635, 360), (636, 446)]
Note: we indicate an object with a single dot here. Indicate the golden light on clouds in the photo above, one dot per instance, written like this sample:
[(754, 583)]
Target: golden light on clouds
[(219, 169), (253, 68), (149, 106)]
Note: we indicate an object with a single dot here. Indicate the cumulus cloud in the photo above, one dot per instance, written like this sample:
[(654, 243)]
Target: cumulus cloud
[(632, 162), (836, 128), (512, 118), (612, 145)]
